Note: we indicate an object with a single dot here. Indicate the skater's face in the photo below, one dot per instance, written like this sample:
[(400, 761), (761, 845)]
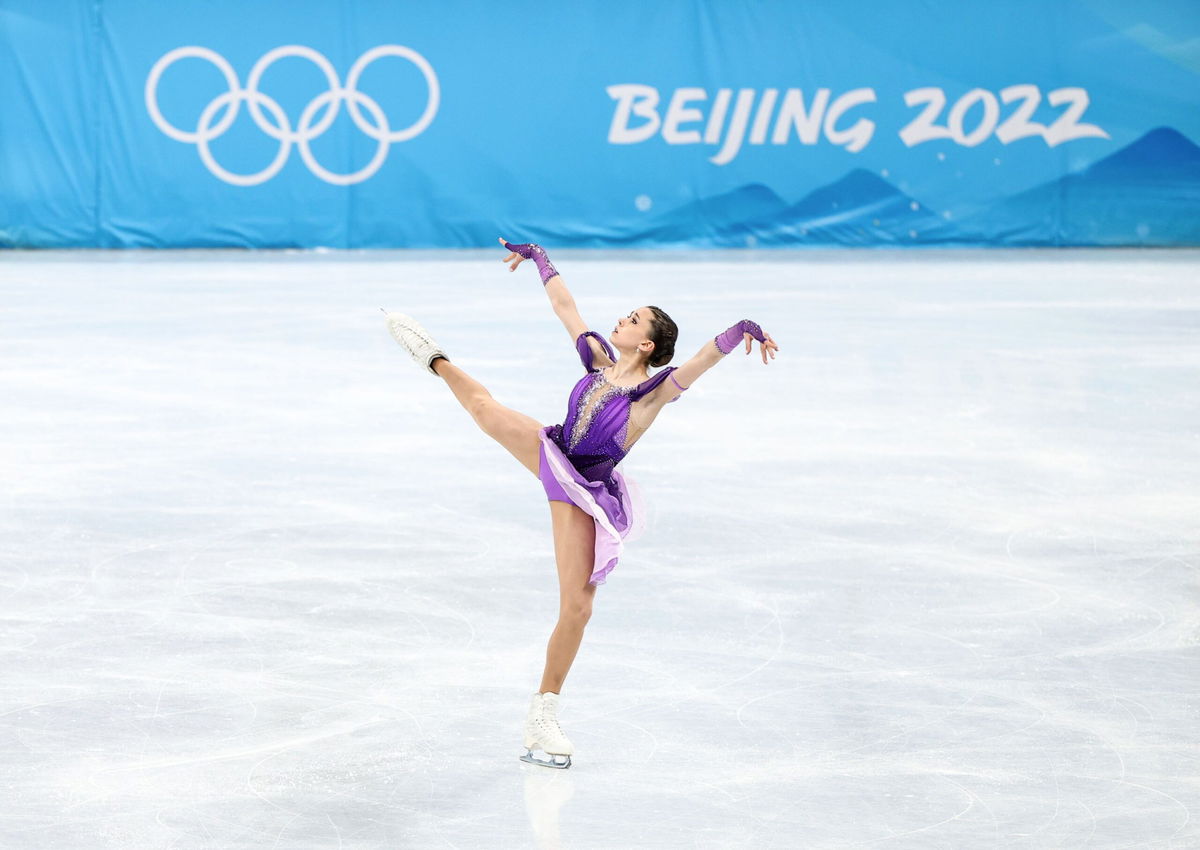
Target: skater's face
[(634, 329)]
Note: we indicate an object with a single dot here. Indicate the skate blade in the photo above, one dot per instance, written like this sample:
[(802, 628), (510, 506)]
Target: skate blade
[(553, 761)]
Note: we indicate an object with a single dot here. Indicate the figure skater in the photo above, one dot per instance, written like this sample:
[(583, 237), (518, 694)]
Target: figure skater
[(593, 507)]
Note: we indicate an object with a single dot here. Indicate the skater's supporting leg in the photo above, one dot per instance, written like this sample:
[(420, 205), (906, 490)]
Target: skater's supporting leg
[(574, 552), (560, 654), (515, 431)]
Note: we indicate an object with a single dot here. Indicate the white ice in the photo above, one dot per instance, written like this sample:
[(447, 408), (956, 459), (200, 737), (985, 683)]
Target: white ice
[(928, 580)]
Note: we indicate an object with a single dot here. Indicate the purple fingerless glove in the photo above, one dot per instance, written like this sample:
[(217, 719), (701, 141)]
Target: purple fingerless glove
[(531, 250), (730, 339)]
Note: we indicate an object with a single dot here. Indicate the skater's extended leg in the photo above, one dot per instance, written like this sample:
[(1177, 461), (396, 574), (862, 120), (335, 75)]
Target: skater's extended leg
[(515, 431), (574, 552)]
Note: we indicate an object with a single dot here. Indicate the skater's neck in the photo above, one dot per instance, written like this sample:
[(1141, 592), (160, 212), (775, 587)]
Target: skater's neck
[(626, 373)]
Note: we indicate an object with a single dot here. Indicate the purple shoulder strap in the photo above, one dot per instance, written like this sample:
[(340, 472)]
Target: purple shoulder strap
[(651, 383), (585, 350)]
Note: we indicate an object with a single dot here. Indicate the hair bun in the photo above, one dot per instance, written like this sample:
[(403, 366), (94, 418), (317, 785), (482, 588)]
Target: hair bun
[(663, 333)]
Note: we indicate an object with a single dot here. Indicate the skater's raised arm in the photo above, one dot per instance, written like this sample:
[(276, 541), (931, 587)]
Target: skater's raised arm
[(560, 297), (712, 353)]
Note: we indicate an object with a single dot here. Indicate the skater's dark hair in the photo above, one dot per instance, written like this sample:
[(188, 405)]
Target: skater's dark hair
[(663, 333)]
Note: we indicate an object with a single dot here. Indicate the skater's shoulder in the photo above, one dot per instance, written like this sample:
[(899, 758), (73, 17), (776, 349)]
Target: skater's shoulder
[(594, 352)]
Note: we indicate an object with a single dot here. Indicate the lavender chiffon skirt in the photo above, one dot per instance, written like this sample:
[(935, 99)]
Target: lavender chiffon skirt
[(618, 519)]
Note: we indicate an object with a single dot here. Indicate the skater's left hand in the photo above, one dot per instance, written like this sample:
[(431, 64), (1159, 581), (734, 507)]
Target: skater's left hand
[(767, 346)]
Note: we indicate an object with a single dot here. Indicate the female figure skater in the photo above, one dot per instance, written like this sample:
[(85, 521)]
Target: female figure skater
[(593, 509)]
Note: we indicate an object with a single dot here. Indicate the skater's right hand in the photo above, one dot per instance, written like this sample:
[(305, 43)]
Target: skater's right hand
[(510, 258)]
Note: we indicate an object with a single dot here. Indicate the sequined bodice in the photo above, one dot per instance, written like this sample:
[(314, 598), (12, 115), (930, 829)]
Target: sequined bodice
[(597, 392), (602, 422)]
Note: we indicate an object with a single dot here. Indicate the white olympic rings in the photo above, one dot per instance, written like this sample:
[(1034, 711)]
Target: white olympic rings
[(281, 130)]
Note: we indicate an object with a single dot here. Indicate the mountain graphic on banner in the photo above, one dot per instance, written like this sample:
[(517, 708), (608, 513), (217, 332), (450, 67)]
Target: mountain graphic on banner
[(859, 208), (1147, 193), (718, 213)]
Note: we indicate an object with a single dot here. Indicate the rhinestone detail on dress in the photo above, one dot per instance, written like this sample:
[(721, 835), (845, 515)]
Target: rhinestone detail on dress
[(591, 400)]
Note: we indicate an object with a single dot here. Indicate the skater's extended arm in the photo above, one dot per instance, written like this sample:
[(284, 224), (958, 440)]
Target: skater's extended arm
[(712, 353), (560, 297)]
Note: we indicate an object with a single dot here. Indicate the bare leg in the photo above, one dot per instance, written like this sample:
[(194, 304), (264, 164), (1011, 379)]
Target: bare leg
[(515, 431), (465, 388), (574, 530), (574, 542), (560, 654)]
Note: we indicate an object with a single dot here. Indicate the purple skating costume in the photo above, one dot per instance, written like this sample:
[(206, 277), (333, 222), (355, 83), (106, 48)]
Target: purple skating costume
[(578, 458)]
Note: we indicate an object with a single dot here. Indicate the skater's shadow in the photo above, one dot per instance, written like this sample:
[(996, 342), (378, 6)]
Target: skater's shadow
[(546, 791)]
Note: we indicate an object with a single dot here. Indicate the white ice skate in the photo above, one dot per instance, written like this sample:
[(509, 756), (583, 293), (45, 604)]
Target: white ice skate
[(415, 339), (543, 733)]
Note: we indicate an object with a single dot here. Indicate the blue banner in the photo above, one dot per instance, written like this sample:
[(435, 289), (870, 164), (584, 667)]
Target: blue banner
[(263, 123)]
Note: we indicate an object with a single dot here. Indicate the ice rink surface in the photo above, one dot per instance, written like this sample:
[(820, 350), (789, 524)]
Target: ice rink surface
[(928, 580)]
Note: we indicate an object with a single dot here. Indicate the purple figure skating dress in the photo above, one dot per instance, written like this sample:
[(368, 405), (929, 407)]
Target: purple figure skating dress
[(579, 458)]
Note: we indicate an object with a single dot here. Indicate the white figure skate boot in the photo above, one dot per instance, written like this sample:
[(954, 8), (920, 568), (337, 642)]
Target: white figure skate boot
[(542, 732), (414, 339)]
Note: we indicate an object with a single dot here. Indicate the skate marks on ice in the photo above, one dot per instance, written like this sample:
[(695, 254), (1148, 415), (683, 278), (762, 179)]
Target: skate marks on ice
[(962, 746), (1016, 684)]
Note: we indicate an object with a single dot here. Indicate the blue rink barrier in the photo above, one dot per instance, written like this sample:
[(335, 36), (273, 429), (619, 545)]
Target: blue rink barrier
[(376, 124)]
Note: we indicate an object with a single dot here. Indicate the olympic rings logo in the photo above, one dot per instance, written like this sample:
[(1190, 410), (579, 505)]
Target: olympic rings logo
[(281, 130)]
